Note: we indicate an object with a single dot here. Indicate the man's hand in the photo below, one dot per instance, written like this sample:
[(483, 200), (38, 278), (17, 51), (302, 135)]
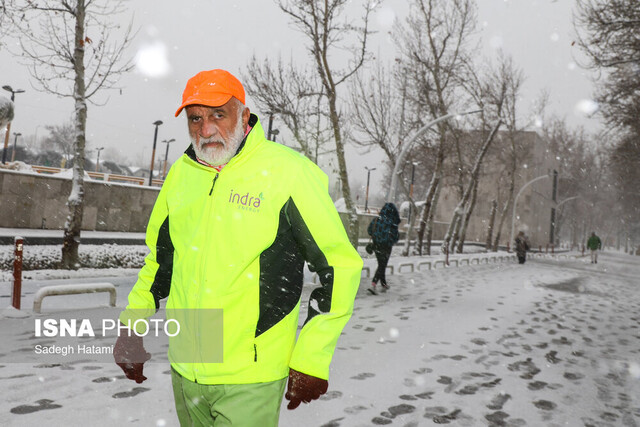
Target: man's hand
[(304, 388), (130, 355)]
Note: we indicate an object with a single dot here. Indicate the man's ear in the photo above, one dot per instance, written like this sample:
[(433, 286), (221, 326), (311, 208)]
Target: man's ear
[(246, 113)]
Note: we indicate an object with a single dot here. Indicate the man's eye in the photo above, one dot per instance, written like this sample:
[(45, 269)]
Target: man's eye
[(195, 119)]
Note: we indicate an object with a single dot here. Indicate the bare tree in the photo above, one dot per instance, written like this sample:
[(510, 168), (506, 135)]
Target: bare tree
[(379, 110), (294, 96), (62, 137), (607, 32), (465, 205), (5, 19), (433, 45), (497, 91), (319, 22), (68, 47)]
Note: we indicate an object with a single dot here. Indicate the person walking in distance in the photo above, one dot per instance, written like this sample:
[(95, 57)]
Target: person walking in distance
[(522, 246), (384, 234), (236, 220), (594, 244)]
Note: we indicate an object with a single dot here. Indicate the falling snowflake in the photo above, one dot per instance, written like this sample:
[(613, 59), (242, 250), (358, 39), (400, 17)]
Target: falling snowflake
[(586, 107), (151, 60)]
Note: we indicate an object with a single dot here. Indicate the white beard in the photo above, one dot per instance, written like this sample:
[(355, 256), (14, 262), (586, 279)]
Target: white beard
[(217, 151)]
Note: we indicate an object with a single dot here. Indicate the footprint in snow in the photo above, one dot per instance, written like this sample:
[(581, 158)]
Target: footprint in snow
[(100, 380), (330, 395), (363, 376), (133, 392), (498, 401), (352, 410), (40, 405), (333, 423), (545, 404)]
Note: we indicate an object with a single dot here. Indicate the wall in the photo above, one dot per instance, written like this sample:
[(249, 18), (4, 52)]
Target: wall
[(30, 200), (26, 198)]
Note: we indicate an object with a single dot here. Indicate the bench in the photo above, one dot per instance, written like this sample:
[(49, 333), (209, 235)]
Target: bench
[(406, 264), (73, 289), (427, 263)]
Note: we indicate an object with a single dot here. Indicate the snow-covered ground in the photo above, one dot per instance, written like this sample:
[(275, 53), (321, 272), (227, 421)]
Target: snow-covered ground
[(554, 342)]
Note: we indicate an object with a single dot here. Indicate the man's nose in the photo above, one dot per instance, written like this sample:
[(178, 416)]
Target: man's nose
[(208, 130)]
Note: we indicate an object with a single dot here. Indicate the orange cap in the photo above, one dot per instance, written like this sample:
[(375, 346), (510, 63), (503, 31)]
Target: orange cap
[(212, 88)]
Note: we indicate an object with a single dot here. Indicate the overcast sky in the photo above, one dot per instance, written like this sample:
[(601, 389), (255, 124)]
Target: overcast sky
[(175, 43)]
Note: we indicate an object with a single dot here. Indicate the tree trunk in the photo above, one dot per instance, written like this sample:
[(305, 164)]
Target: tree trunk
[(430, 198), (432, 216), (507, 205), (448, 243), (492, 220), (503, 217), (75, 203), (407, 243), (426, 210), (464, 202), (352, 228), (467, 218)]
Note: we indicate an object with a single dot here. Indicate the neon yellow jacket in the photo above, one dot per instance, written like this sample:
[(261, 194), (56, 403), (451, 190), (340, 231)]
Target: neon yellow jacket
[(237, 240)]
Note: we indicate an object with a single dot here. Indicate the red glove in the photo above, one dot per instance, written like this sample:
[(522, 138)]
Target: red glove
[(130, 355), (304, 388)]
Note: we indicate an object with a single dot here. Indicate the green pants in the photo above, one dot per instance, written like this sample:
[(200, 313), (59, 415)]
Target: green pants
[(238, 405)]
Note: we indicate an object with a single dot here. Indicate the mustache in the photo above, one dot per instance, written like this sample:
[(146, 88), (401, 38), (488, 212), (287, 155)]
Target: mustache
[(203, 141)]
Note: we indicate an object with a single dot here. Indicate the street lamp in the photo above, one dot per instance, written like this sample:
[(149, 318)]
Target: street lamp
[(366, 198), (391, 195), (6, 136), (274, 133), (166, 155), (153, 153), (98, 160), (515, 202), (15, 141), (413, 173)]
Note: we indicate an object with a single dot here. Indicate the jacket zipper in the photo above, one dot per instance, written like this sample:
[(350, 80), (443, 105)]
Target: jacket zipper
[(213, 184), (255, 353)]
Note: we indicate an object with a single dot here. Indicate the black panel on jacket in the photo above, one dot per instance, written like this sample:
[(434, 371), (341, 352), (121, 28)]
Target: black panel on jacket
[(281, 276), (164, 257), (320, 299)]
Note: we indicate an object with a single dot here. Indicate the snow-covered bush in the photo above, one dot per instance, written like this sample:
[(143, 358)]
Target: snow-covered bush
[(91, 256)]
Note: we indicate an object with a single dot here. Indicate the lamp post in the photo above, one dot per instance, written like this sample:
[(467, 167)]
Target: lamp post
[(275, 133), (15, 142), (391, 195), (153, 153), (366, 198), (98, 159), (554, 194), (6, 136), (413, 173), (515, 202), (166, 156)]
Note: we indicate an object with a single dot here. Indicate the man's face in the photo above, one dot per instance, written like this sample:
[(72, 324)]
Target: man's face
[(217, 132)]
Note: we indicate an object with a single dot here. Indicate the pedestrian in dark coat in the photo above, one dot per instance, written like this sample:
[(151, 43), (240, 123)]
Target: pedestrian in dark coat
[(384, 234), (594, 244), (522, 246)]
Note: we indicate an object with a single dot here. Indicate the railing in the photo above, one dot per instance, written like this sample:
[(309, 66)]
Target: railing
[(107, 177)]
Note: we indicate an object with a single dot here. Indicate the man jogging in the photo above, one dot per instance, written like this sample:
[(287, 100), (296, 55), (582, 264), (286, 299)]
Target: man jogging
[(594, 244), (232, 227)]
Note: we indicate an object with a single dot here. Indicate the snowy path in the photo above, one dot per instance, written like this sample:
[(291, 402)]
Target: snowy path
[(544, 344)]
